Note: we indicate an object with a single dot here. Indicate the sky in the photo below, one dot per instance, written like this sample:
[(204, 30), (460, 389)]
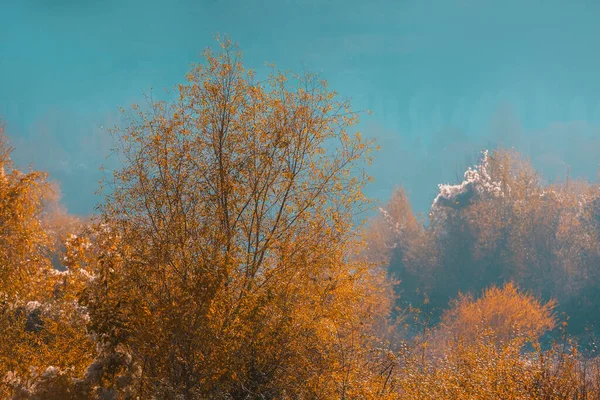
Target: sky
[(444, 79)]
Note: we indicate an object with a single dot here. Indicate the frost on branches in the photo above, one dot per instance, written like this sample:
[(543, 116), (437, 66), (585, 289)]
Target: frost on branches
[(395, 227), (478, 183)]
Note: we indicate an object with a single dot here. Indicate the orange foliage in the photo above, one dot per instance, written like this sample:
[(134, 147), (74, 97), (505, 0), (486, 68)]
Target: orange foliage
[(43, 331), (506, 312), (230, 270)]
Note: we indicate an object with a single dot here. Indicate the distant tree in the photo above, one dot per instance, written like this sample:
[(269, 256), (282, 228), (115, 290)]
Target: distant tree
[(500, 224), (488, 349), (392, 229), (506, 312), (398, 239), (484, 369), (478, 351)]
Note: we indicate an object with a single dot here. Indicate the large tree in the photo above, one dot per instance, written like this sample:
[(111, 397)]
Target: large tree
[(230, 271)]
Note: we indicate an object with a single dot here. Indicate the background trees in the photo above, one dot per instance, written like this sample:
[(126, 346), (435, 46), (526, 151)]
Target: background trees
[(501, 224)]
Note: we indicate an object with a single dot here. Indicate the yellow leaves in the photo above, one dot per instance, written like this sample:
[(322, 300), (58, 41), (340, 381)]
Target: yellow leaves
[(230, 240), (40, 324), (506, 311), (483, 369)]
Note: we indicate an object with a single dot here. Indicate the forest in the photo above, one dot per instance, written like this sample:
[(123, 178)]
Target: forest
[(235, 256)]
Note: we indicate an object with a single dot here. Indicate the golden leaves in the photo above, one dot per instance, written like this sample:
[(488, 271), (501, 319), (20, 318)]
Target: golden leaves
[(506, 311), (235, 226), (41, 323)]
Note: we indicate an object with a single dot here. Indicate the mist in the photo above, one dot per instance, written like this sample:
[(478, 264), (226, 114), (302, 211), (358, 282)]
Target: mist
[(443, 79)]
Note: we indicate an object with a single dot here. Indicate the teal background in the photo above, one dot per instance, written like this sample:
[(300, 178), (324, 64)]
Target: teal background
[(444, 78)]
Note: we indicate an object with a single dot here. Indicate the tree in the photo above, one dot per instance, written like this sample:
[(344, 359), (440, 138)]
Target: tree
[(43, 328), (229, 272), (398, 240), (392, 229), (506, 312), (478, 351)]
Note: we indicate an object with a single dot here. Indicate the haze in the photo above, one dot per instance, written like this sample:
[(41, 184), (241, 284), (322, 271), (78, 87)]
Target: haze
[(443, 79)]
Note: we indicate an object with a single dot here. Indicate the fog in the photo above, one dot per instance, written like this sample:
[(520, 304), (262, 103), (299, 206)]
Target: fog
[(443, 79)]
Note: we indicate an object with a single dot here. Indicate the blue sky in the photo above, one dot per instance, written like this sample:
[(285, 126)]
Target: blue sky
[(443, 78)]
